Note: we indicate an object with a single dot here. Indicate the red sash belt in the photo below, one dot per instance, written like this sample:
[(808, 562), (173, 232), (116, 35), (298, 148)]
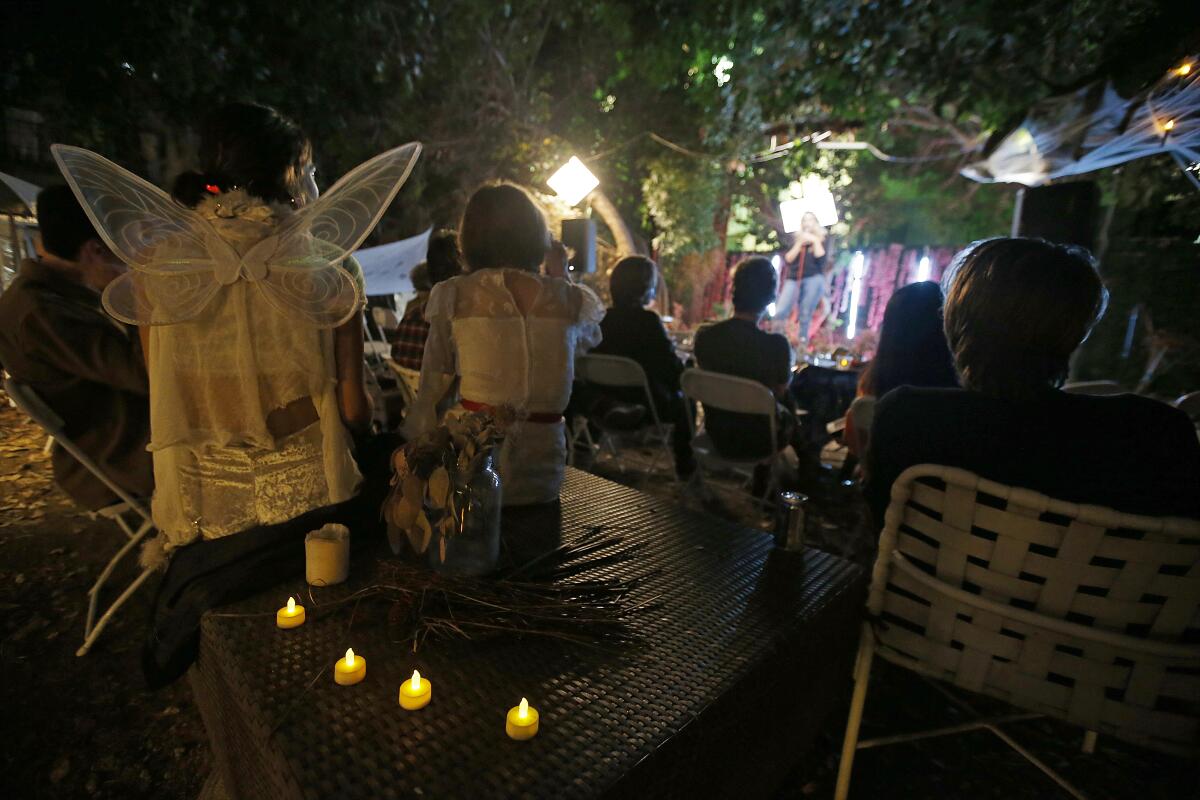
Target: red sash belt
[(544, 419)]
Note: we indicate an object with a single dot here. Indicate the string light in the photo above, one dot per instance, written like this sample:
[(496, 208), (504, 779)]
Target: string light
[(1183, 70), (1169, 125)]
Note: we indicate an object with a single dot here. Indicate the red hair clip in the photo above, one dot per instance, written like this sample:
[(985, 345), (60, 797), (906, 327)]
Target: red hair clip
[(212, 188)]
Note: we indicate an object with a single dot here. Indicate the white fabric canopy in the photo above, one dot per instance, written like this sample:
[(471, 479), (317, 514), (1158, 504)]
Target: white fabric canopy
[(1095, 127), (22, 189), (386, 268)]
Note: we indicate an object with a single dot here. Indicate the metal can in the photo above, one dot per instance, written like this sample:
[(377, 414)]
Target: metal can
[(790, 521)]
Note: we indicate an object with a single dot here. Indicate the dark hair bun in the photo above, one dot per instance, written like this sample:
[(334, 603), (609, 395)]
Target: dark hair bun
[(190, 187)]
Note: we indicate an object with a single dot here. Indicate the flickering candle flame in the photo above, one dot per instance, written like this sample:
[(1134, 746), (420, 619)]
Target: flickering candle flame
[(291, 606), (416, 681), (523, 709), (350, 657)]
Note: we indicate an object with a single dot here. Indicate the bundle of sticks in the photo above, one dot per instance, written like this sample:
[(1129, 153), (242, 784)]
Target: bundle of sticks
[(552, 596)]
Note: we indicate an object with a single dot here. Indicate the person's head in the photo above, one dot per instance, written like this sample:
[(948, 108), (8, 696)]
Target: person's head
[(810, 224), (251, 147), (1015, 311), (912, 348), (502, 227), (67, 233), (420, 277), (443, 259), (754, 285), (633, 282)]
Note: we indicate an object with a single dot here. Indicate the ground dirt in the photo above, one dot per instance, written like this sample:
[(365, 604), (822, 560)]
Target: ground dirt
[(88, 727)]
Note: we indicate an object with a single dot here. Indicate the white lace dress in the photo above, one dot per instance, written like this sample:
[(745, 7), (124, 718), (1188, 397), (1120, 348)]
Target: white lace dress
[(214, 380), (503, 357)]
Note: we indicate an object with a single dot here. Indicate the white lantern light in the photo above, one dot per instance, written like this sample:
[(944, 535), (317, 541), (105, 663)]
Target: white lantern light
[(858, 270), (573, 181), (814, 197), (924, 269)]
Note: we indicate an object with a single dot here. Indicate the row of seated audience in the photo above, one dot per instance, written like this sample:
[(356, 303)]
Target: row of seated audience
[(506, 333)]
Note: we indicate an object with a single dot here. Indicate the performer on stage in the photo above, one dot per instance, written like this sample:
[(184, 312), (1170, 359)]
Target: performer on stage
[(803, 279)]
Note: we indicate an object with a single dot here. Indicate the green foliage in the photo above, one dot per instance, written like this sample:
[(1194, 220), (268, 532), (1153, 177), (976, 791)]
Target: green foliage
[(682, 196)]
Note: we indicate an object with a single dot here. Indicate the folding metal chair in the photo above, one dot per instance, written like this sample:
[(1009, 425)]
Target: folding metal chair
[(716, 390), (617, 372), (128, 513)]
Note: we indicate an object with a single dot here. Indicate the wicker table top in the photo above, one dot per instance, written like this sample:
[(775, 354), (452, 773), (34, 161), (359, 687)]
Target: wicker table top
[(735, 669)]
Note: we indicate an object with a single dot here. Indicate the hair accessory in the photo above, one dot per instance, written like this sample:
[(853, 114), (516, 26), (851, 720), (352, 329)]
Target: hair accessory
[(212, 188)]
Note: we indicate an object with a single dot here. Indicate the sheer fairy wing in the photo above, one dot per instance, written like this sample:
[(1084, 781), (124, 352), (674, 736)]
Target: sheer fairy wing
[(302, 267), (174, 253)]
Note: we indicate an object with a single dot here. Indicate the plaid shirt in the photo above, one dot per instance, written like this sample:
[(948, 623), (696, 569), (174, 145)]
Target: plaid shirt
[(408, 340)]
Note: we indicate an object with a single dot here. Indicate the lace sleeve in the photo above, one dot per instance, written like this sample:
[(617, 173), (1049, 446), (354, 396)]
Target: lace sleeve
[(439, 364), (587, 325)]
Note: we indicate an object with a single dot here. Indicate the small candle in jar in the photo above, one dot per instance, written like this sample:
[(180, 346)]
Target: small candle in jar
[(351, 669), (415, 693), (290, 617), (522, 722)]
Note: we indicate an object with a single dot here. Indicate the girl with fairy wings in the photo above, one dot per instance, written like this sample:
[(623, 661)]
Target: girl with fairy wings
[(248, 304)]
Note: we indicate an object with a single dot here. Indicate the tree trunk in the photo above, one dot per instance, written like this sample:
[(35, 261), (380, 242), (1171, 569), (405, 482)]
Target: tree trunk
[(622, 236)]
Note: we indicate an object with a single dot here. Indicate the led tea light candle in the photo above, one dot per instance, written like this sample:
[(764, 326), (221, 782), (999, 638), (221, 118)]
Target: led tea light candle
[(415, 693), (290, 617), (522, 722), (351, 669)]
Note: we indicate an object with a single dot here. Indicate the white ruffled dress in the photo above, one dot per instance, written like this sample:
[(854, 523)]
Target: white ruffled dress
[(214, 380), (502, 357)]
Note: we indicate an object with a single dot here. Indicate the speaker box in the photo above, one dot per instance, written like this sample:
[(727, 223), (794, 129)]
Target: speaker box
[(579, 235), (1064, 213)]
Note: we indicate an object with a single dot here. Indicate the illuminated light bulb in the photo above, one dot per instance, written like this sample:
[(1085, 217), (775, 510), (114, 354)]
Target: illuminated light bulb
[(573, 181), (1169, 125), (771, 310), (350, 657), (416, 681), (523, 709), (1183, 70)]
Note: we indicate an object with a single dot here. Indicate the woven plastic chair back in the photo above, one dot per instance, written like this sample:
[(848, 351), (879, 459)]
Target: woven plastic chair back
[(1078, 612)]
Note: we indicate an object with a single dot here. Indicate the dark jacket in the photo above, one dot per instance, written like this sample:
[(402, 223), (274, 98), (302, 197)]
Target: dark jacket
[(1125, 452), (638, 333), (55, 337)]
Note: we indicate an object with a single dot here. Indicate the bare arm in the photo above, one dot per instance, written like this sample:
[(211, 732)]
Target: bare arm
[(353, 402)]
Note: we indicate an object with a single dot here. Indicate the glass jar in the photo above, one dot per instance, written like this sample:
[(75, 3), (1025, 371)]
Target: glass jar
[(473, 546)]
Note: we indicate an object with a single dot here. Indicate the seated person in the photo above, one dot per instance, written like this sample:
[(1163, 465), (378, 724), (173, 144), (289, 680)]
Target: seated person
[(510, 329), (88, 368), (912, 351), (633, 331), (441, 262), (737, 347), (1015, 311)]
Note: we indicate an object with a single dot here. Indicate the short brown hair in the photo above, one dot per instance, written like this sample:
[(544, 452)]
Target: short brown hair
[(755, 282), (633, 282), (502, 227), (1015, 311)]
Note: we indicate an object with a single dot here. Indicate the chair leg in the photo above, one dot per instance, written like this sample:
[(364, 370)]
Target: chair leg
[(862, 676), (94, 633), (90, 630)]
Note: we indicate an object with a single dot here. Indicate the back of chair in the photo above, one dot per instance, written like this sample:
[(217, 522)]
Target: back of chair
[(48, 420), (385, 318), (1079, 612), (1189, 404), (408, 379), (28, 401), (716, 390), (615, 372), (1094, 387)]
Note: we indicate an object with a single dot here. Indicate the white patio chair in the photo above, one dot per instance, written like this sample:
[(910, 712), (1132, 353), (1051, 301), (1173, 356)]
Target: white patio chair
[(385, 318), (408, 380), (1094, 387), (1189, 404), (617, 372), (716, 390), (130, 514), (1068, 611)]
